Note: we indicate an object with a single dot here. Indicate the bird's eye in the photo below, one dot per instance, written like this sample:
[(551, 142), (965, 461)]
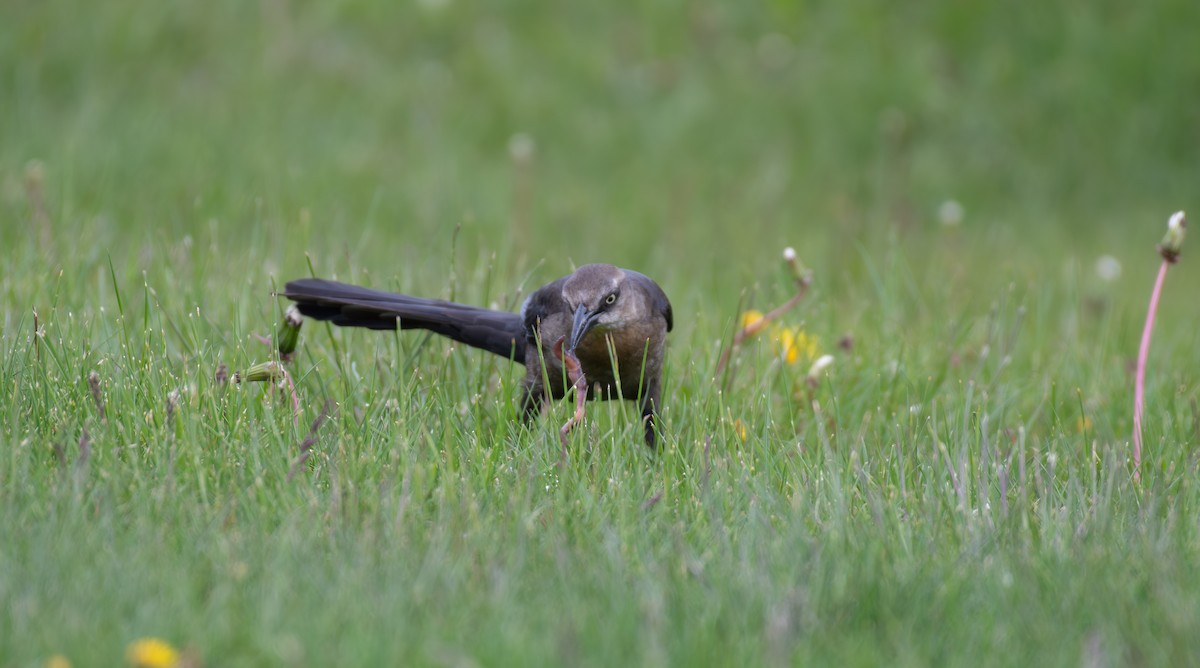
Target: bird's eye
[(611, 299)]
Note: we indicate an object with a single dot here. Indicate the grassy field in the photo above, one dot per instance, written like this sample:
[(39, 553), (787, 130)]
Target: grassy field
[(956, 489)]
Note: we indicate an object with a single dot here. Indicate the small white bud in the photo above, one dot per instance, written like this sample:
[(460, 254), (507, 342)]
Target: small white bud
[(951, 213), (520, 147), (1172, 243), (820, 364), (1108, 268), (789, 254)]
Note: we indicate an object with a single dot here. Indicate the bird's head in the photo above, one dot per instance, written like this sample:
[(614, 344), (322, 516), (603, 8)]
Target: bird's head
[(593, 293)]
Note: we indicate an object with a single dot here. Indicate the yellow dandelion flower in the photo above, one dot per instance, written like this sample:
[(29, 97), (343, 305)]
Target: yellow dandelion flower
[(785, 343), (739, 428), (794, 345), (58, 661), (752, 319), (151, 653)]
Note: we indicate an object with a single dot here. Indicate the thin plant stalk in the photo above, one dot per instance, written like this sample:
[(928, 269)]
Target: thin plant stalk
[(1139, 390), (1169, 249), (803, 280)]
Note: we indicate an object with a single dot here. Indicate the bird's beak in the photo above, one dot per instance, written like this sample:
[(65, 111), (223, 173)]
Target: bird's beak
[(583, 323)]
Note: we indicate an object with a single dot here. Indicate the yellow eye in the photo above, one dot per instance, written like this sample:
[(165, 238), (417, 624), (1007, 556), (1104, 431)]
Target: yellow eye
[(611, 299)]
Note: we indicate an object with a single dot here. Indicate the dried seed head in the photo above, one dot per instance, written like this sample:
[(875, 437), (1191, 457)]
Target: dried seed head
[(172, 403), (93, 381), (222, 374)]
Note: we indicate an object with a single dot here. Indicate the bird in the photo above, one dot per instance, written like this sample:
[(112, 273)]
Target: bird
[(615, 321)]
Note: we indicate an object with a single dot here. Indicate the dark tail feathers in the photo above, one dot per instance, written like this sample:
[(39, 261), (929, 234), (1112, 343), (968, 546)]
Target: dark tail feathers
[(498, 332)]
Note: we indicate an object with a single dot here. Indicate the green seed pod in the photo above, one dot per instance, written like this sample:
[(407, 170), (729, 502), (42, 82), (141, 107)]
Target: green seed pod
[(289, 332), (261, 373), (1172, 243)]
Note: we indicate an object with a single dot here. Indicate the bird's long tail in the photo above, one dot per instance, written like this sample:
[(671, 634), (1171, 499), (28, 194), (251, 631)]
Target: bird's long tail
[(498, 332)]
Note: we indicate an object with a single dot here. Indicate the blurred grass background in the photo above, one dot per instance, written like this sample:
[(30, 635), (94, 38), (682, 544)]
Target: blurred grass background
[(163, 166), (659, 130)]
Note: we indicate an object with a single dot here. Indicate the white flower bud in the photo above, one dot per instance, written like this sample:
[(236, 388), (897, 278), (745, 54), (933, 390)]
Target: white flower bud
[(1172, 243), (1108, 268), (521, 147), (820, 364), (951, 213)]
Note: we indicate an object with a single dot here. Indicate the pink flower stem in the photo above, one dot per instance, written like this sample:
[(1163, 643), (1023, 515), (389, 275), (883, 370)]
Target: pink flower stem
[(1139, 391)]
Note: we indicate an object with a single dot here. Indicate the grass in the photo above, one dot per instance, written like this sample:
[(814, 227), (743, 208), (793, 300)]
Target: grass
[(957, 490)]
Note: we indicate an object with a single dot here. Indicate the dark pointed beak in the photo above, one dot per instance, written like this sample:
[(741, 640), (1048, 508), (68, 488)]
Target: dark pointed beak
[(584, 320)]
